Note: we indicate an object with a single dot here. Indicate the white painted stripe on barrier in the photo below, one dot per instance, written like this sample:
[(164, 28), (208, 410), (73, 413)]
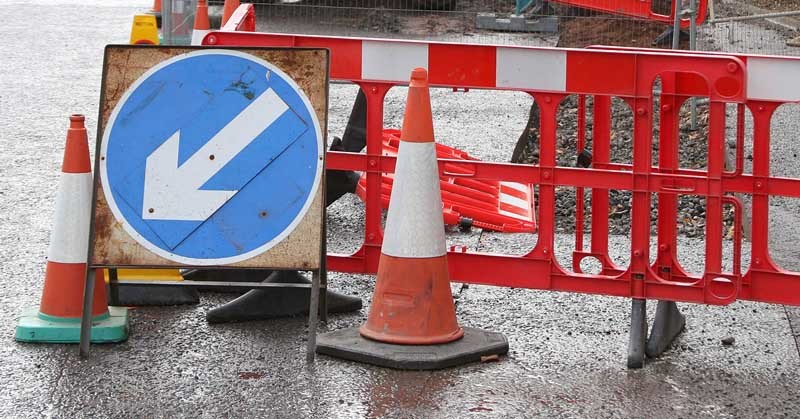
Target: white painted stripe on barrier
[(391, 61), (198, 35), (414, 224), (69, 240), (523, 189), (773, 79), (522, 68), (514, 201)]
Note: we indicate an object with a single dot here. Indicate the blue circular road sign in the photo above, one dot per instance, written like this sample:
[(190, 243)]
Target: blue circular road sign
[(211, 157)]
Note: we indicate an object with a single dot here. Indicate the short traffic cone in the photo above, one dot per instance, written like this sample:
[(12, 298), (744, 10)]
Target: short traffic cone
[(59, 315), (201, 23), (228, 9), (412, 322)]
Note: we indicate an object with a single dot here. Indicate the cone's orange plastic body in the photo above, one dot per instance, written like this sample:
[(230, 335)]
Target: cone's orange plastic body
[(62, 295), (201, 21), (228, 9), (418, 119), (157, 6), (76, 151), (412, 303)]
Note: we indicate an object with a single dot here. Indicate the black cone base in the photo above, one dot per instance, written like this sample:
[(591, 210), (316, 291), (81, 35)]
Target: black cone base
[(348, 344), (262, 304), (669, 323), (144, 295)]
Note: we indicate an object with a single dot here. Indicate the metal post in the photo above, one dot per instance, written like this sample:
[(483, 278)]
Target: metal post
[(313, 316), (86, 317), (166, 22), (676, 26)]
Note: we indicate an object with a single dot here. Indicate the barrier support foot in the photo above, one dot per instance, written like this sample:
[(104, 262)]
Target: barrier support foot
[(262, 304), (636, 345), (668, 324)]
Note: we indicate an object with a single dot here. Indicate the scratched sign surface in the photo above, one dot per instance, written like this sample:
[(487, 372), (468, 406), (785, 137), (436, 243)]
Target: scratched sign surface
[(211, 157)]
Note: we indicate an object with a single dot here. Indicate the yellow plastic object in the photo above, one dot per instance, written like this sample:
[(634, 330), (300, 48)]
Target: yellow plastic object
[(147, 274), (144, 30)]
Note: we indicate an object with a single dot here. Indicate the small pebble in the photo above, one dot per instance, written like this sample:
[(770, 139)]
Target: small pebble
[(728, 341)]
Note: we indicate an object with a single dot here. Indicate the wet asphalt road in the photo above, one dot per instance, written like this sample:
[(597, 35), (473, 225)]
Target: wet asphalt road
[(567, 355)]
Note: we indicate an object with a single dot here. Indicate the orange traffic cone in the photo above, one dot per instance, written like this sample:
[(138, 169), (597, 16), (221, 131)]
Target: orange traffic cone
[(228, 9), (156, 6), (59, 314), (412, 304), (201, 23)]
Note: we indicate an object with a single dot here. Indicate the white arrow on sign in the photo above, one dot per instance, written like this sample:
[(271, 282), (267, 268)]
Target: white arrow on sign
[(172, 192)]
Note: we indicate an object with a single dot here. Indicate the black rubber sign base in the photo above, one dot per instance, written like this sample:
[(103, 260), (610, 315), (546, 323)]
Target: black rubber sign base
[(476, 343)]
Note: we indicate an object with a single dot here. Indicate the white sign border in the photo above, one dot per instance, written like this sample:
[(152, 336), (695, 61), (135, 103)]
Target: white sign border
[(216, 261)]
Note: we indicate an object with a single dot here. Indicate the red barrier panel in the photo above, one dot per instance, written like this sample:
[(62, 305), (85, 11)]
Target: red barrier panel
[(378, 65), (772, 82), (642, 9), (490, 205)]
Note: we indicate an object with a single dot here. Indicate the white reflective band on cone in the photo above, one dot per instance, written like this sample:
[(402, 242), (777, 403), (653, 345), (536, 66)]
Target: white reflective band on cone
[(414, 224), (69, 240)]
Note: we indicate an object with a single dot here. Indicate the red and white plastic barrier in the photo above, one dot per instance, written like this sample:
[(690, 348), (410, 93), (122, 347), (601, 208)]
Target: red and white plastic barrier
[(549, 75)]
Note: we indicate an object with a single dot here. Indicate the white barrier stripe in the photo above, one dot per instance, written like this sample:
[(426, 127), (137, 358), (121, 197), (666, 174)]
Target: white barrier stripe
[(198, 35), (69, 240), (521, 188), (414, 224), (521, 68), (514, 201), (391, 61), (773, 79)]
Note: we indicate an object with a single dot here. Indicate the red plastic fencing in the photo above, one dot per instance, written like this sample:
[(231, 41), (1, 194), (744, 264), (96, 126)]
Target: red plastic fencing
[(642, 9), (378, 65), (490, 205)]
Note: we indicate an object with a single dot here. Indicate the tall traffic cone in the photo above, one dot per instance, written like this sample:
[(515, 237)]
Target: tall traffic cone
[(412, 322), (201, 23), (58, 318), (228, 9)]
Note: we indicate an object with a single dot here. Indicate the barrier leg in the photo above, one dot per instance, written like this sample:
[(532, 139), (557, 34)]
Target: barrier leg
[(669, 321), (636, 345), (668, 324), (354, 139)]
